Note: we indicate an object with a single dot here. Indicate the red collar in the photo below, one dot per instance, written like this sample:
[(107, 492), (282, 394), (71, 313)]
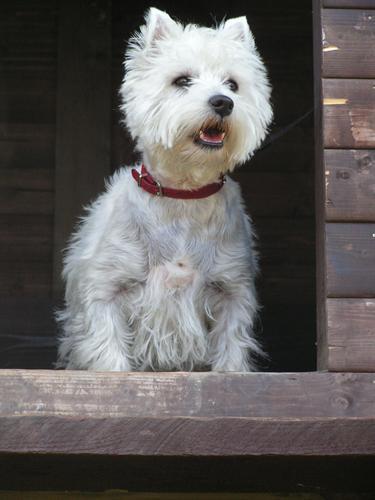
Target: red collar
[(149, 184)]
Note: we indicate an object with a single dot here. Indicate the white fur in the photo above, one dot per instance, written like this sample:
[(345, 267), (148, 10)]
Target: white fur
[(156, 283)]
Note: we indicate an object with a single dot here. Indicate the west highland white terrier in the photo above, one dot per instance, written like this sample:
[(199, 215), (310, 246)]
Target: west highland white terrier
[(160, 273)]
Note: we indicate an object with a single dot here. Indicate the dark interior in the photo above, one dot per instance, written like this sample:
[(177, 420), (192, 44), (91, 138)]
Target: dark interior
[(278, 184)]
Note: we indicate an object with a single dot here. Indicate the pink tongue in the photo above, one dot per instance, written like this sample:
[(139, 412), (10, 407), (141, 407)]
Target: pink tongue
[(212, 137)]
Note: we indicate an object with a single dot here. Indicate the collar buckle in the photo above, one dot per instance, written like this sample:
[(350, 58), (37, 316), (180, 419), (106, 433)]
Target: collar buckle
[(140, 177), (159, 192)]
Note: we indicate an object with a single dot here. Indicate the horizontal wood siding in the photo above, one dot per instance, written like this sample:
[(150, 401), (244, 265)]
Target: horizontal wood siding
[(350, 260), (348, 70), (28, 40), (349, 113), (351, 337), (348, 45), (350, 184)]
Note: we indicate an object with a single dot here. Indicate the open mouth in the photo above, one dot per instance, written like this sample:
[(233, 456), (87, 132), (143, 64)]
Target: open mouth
[(211, 136)]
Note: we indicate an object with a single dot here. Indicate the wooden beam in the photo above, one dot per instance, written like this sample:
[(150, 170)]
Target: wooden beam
[(113, 395), (320, 248), (350, 260), (187, 414), (83, 114), (350, 182), (348, 45), (349, 113), (189, 436), (351, 335)]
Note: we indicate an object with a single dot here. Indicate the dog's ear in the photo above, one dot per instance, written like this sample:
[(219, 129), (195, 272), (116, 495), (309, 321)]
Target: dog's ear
[(159, 25), (238, 29)]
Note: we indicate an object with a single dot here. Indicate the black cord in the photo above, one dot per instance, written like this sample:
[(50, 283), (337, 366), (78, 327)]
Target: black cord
[(275, 136)]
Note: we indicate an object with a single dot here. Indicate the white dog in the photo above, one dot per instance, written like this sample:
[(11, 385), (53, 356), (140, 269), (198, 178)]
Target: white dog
[(160, 274)]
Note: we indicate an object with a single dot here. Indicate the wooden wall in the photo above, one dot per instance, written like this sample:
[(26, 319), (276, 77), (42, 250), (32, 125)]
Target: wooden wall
[(62, 63), (348, 175), (28, 71)]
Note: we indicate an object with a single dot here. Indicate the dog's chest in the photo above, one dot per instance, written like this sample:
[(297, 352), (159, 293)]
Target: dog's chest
[(180, 246)]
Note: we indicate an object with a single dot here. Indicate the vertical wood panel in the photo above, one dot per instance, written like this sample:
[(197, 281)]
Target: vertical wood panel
[(322, 353), (83, 114)]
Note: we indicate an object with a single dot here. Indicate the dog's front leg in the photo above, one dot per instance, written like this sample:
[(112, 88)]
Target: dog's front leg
[(96, 337), (232, 345)]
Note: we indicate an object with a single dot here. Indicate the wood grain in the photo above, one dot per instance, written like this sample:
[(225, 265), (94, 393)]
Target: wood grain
[(188, 436), (350, 185), (115, 395), (351, 335), (348, 43), (175, 414), (350, 260), (349, 113), (83, 114)]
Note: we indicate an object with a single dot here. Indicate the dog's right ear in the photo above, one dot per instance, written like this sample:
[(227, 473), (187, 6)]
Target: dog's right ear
[(159, 25)]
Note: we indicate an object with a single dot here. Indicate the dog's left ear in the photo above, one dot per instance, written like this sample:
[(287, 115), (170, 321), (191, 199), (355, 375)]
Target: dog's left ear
[(159, 25), (238, 29)]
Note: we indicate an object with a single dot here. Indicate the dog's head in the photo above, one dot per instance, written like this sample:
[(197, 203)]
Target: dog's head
[(195, 99)]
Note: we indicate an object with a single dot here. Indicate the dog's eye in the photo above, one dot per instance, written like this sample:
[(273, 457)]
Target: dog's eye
[(233, 85), (182, 81)]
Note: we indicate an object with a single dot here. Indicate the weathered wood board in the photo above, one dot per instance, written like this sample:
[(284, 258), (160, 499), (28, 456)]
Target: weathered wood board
[(348, 43), (350, 185), (350, 260), (199, 414), (351, 335), (349, 113)]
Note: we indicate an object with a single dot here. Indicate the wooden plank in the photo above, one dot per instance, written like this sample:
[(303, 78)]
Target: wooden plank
[(350, 4), (348, 43), (26, 238), (350, 260), (26, 191), (83, 114), (350, 185), (349, 113), (188, 436), (31, 279), (351, 335), (200, 414), (19, 201), (115, 395), (320, 282)]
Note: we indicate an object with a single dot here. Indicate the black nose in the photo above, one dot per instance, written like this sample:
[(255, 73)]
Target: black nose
[(222, 104)]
